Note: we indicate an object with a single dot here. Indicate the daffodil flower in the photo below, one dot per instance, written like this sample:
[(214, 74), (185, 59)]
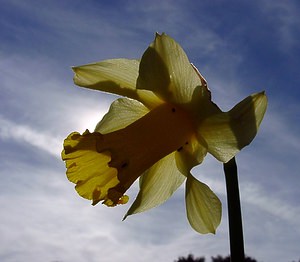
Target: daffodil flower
[(163, 127)]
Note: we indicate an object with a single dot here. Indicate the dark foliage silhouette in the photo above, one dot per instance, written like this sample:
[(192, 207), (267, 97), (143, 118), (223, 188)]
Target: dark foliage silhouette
[(190, 258), (227, 259)]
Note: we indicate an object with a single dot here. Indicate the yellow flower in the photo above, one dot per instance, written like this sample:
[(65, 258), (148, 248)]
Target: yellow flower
[(159, 132)]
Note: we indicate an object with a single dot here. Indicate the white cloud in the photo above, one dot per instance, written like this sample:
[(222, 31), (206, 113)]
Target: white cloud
[(265, 201), (22, 133)]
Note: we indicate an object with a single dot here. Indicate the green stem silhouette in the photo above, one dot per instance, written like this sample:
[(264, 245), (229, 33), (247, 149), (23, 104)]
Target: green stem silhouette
[(234, 212)]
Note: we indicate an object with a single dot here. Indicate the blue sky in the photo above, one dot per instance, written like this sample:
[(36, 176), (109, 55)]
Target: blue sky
[(240, 47)]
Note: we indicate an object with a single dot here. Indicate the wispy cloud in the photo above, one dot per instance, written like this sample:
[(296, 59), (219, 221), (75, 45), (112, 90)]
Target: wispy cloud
[(22, 133), (283, 16)]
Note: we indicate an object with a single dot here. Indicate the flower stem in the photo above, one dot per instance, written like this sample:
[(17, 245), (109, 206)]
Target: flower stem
[(234, 212)]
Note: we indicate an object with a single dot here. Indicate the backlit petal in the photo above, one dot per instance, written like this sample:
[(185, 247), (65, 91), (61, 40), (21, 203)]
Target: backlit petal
[(227, 133), (89, 169), (190, 154), (157, 184), (166, 70), (116, 76), (122, 112), (203, 207)]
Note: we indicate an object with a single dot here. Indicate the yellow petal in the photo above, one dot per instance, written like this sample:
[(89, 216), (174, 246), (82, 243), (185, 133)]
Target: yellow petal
[(190, 154), (116, 76), (203, 207), (227, 133), (157, 184), (166, 71), (89, 169), (122, 112)]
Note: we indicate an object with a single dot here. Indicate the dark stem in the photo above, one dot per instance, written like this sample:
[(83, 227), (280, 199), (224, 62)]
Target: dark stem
[(234, 212)]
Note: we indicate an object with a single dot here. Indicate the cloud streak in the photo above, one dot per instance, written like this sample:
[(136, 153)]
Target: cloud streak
[(25, 134)]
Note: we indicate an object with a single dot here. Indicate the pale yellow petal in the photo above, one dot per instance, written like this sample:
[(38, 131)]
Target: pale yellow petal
[(166, 71), (116, 76), (227, 133), (203, 207), (122, 112), (148, 98), (190, 154), (157, 185)]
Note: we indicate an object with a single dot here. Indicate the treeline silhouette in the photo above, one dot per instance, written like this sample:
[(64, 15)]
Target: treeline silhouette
[(191, 258)]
